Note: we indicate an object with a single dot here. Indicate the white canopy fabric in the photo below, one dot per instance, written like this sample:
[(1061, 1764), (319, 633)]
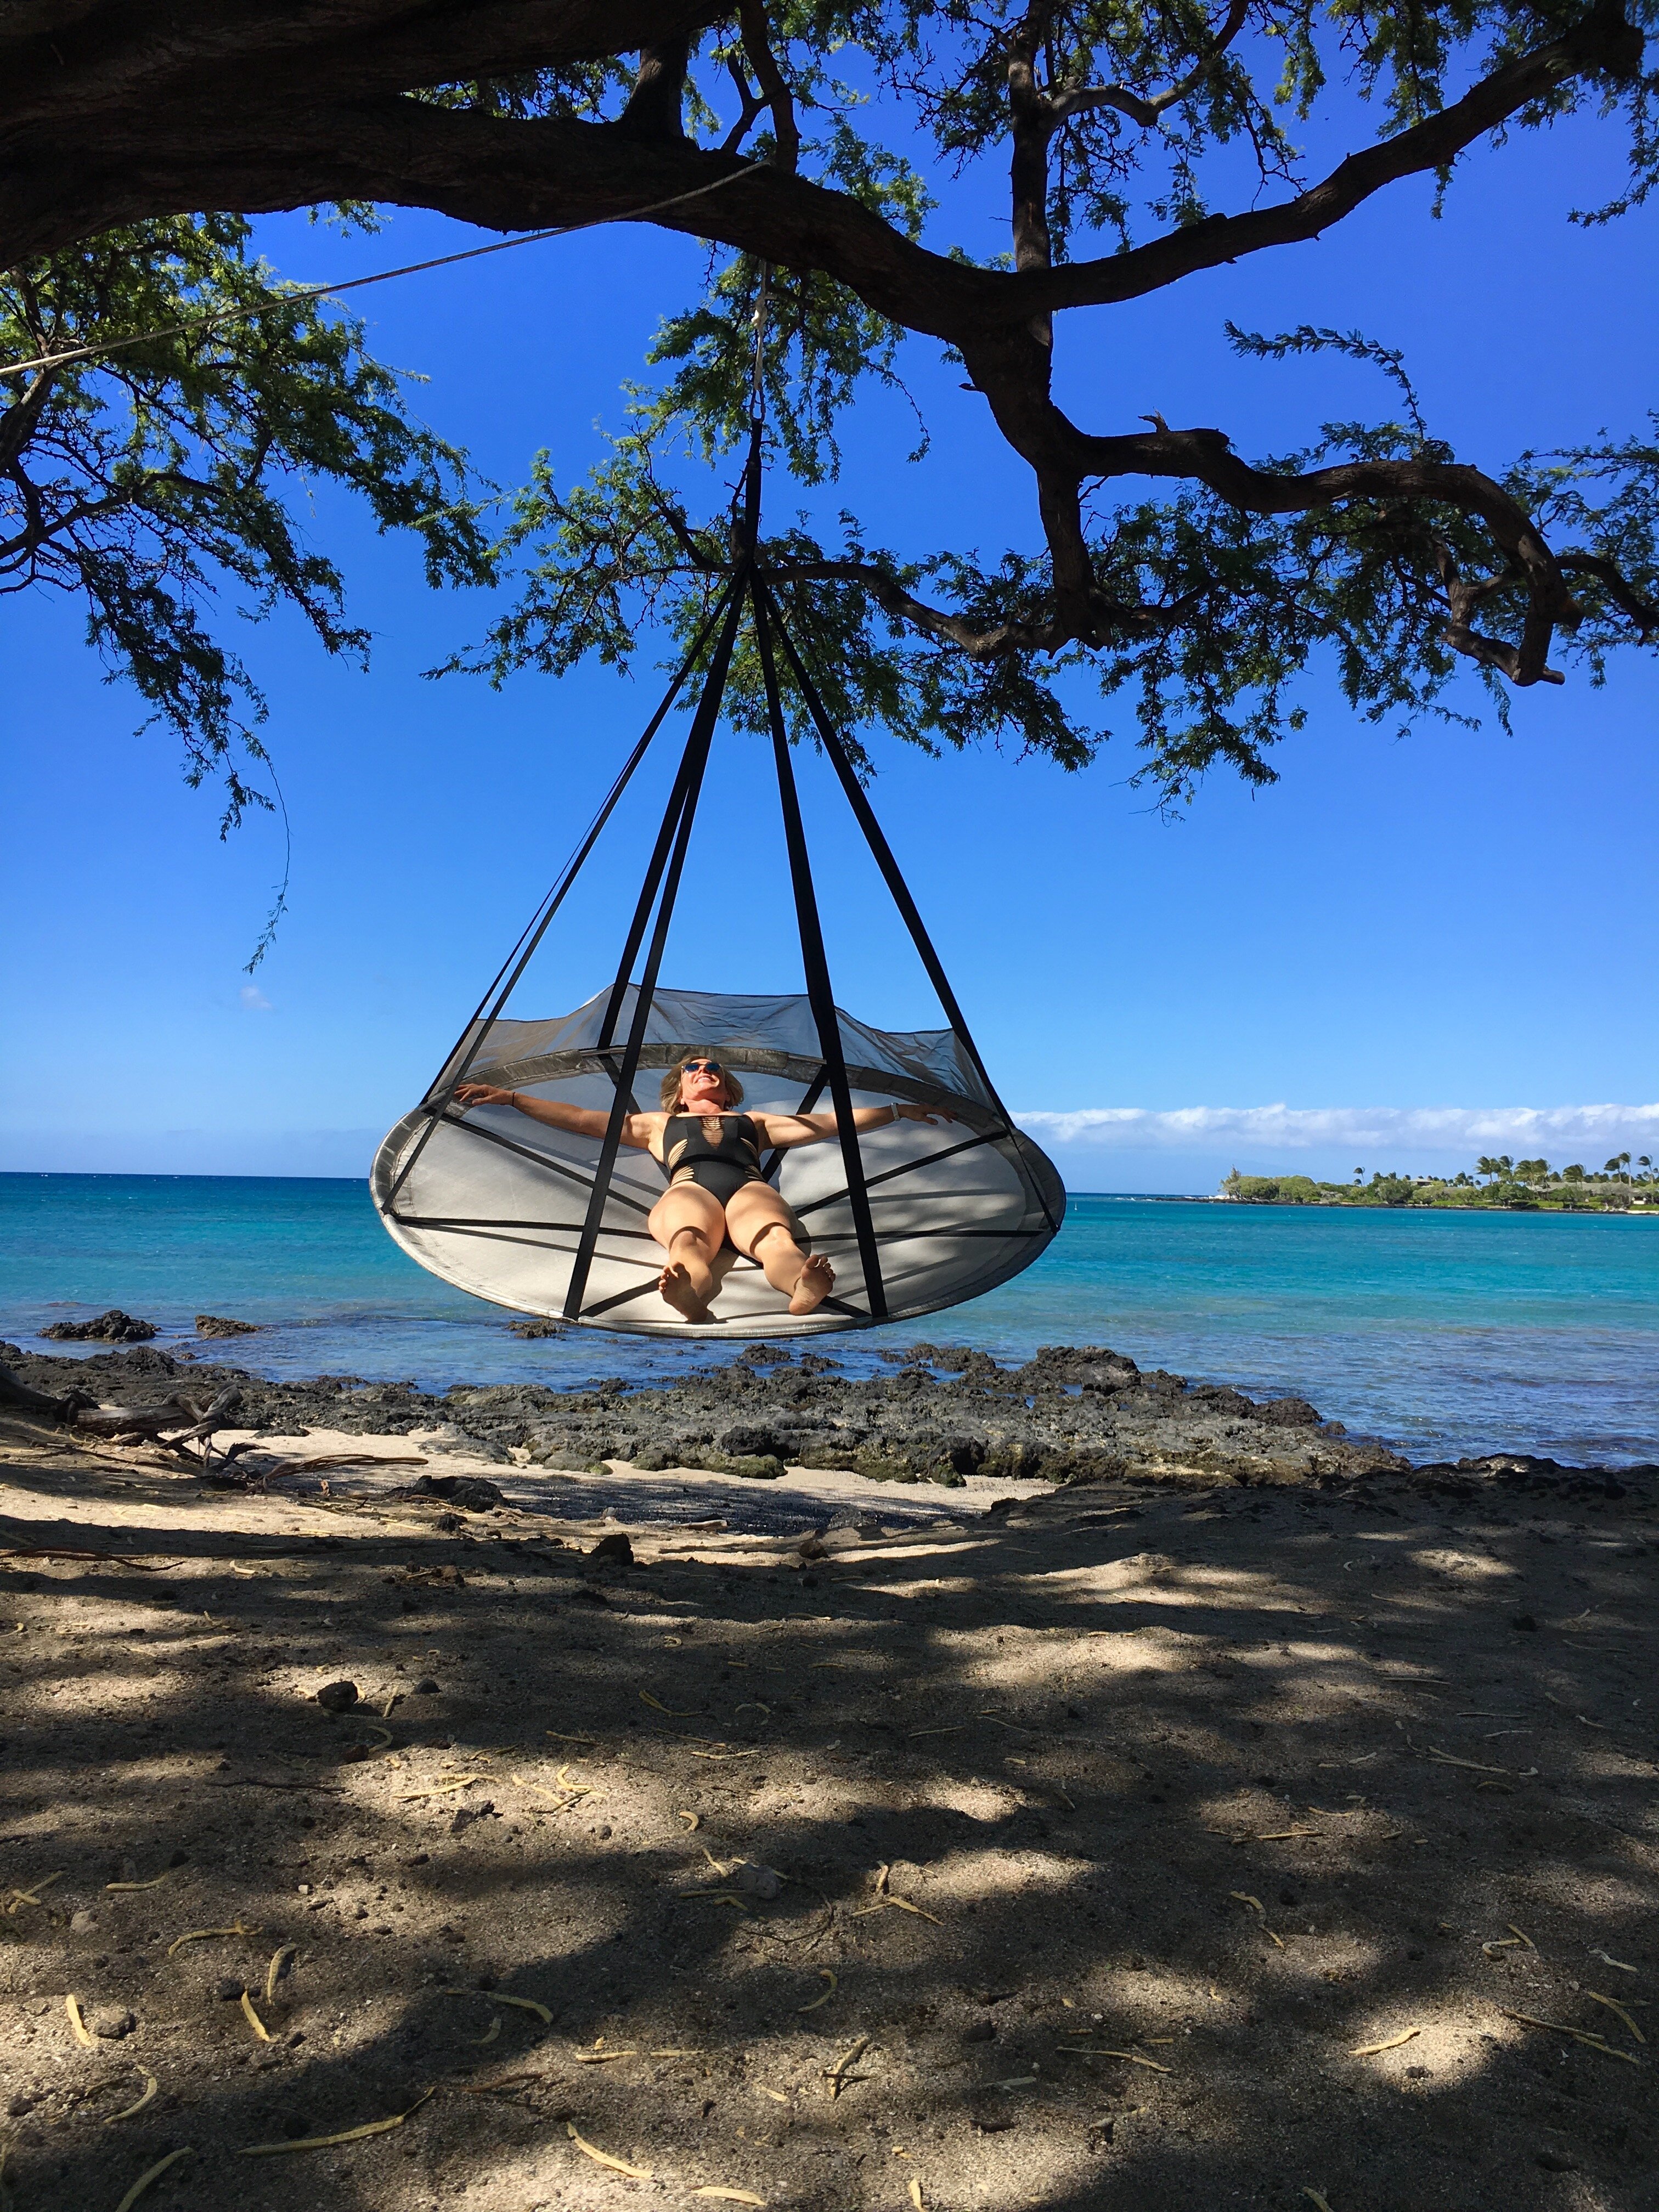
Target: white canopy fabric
[(495, 1203)]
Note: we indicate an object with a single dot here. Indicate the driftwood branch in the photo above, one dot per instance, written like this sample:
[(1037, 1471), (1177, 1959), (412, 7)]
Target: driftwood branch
[(21, 1398), (174, 1421)]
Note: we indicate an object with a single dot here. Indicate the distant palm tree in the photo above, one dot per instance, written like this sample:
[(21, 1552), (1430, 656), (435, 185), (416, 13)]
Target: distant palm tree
[(1646, 1166)]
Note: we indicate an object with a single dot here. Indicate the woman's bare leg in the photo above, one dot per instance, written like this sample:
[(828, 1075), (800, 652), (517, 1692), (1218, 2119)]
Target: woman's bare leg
[(689, 1225), (761, 1224)]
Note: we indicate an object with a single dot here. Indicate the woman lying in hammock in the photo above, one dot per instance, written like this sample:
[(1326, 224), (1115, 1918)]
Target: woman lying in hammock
[(716, 1193)]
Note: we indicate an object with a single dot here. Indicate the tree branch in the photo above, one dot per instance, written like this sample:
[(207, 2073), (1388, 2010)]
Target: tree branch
[(1080, 99), (1604, 44), (752, 16), (1204, 456)]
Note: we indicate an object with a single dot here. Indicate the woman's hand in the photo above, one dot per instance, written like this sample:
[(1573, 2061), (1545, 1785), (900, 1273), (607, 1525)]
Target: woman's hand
[(932, 1115), (482, 1094)]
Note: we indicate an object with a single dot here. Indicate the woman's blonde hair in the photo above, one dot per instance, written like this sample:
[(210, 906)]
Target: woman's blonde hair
[(675, 1075)]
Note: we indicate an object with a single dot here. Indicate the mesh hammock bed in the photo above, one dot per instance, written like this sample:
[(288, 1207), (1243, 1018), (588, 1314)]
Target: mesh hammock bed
[(913, 1217)]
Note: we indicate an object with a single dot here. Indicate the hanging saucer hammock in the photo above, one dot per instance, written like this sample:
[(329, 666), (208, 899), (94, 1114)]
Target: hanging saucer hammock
[(913, 1217)]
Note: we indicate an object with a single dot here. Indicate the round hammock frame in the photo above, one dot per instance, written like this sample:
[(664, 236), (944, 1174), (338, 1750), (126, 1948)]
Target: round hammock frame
[(916, 1218)]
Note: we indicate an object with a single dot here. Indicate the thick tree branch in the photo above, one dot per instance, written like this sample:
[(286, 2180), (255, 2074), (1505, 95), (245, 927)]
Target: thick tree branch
[(656, 105), (786, 133), (509, 175)]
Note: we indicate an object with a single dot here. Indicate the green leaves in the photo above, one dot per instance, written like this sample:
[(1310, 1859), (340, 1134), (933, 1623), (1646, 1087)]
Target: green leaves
[(150, 483)]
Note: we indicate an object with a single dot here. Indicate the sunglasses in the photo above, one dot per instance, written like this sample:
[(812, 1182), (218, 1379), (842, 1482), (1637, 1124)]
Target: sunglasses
[(701, 1067)]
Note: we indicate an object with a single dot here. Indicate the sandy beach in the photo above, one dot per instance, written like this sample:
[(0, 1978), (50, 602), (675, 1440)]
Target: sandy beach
[(820, 1841)]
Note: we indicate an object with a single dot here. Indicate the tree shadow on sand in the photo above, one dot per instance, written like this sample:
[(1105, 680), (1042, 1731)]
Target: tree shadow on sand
[(1141, 1850)]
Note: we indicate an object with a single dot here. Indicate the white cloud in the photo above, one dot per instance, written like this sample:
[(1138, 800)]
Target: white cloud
[(255, 999), (1518, 1130)]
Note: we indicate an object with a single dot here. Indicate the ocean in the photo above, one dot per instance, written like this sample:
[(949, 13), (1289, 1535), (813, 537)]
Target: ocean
[(1444, 1333)]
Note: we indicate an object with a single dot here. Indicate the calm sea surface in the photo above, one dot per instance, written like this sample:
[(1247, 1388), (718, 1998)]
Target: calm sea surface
[(1443, 1332)]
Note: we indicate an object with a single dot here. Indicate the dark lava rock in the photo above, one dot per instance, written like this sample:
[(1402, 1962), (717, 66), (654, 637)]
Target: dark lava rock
[(142, 1359), (337, 1696), (1070, 1414), (537, 1329), (112, 2021), (753, 1466), (1525, 1620), (221, 1325), (228, 1989), (612, 1550), (471, 1492), (743, 1441), (111, 1327), (1288, 1413), (426, 1687)]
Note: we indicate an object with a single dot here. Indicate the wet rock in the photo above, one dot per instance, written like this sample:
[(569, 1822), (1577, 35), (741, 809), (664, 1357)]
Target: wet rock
[(1288, 1413), (222, 1325), (111, 1327), (537, 1329), (337, 1696)]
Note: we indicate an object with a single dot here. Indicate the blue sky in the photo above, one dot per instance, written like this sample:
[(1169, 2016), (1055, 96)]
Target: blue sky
[(1456, 921)]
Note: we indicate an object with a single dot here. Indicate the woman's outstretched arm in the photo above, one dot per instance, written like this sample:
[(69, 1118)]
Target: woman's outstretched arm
[(580, 1120), (783, 1130)]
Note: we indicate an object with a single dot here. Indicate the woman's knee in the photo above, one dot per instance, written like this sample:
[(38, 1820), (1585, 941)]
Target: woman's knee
[(778, 1235)]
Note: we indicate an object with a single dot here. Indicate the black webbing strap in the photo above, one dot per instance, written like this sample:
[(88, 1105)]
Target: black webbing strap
[(814, 1091), (818, 994), (672, 841), (708, 709), (863, 814), (507, 976)]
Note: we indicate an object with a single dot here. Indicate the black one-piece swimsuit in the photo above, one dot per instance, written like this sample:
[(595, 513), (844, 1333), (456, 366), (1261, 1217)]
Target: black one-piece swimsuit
[(721, 1167)]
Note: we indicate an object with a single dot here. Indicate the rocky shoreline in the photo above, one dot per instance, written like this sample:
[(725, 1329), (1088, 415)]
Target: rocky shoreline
[(1072, 1414)]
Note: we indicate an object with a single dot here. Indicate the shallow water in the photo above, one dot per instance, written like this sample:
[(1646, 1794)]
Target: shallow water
[(1444, 1333)]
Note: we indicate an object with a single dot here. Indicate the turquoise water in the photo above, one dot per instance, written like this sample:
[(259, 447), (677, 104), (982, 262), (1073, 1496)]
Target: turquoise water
[(1443, 1332)]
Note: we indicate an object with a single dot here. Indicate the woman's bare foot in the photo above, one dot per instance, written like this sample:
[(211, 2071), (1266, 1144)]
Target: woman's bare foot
[(675, 1284), (817, 1280)]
